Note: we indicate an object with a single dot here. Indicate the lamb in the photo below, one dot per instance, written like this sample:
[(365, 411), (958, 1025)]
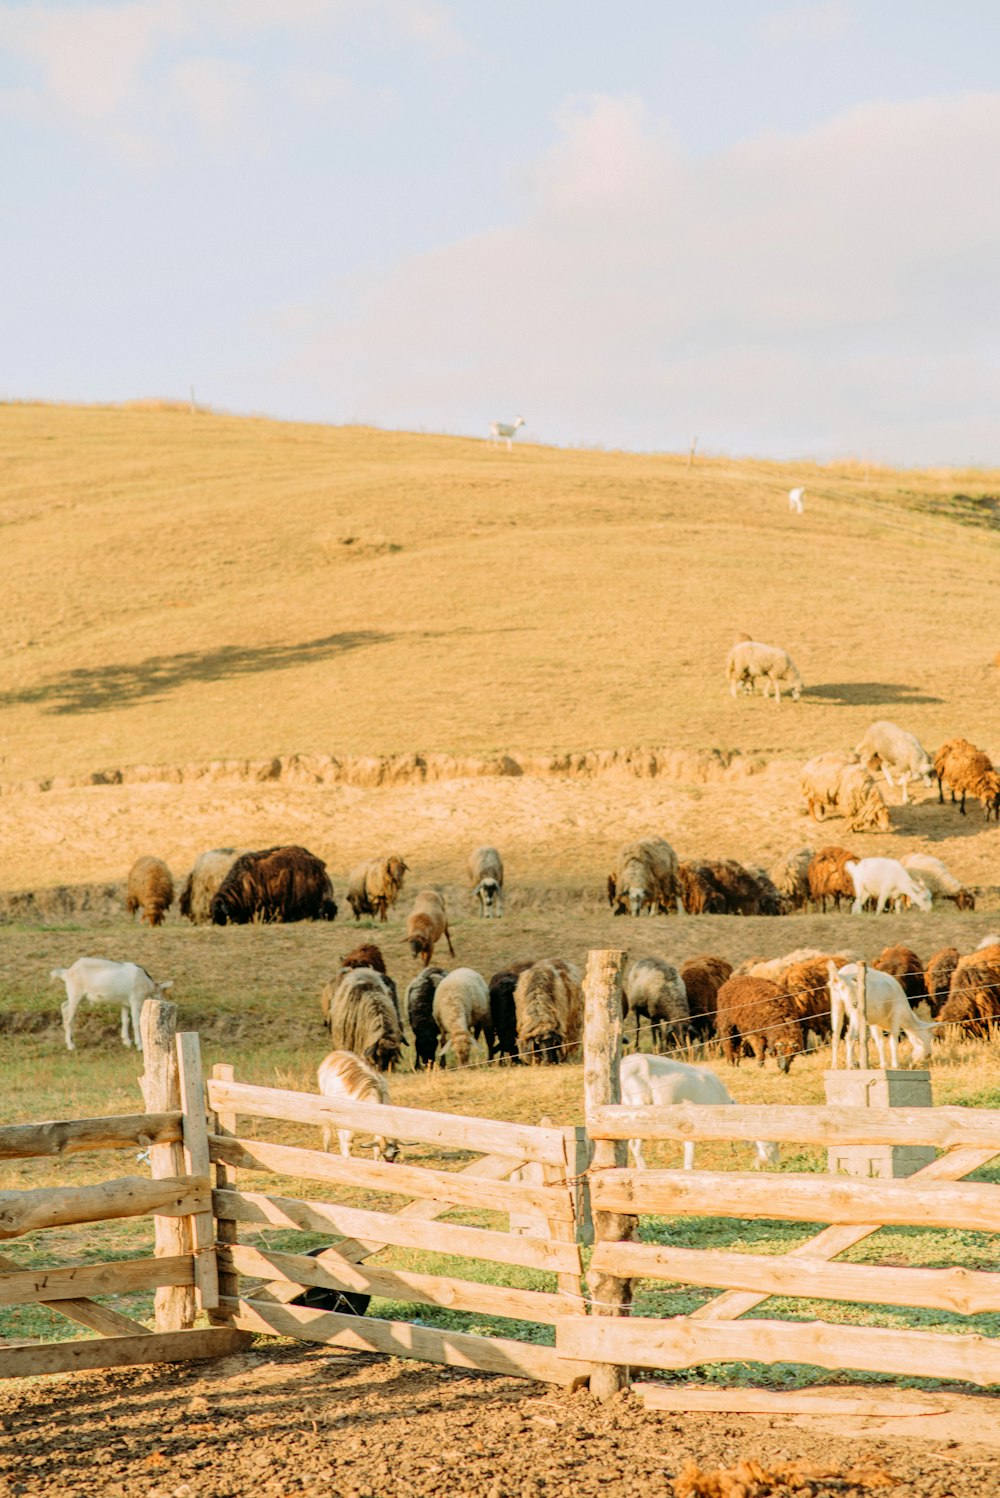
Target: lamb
[(884, 879), (887, 745), (969, 771), (655, 988), (373, 887), (420, 1012), (426, 924), (285, 883), (834, 784), (644, 878), (150, 889), (485, 870), (790, 877), (703, 977), (362, 1018), (939, 879), (502, 1011), (462, 1013), (202, 884), (937, 978), (974, 996), (658, 1082), (886, 1009), (906, 967), (828, 877), (755, 1016), (505, 430), (548, 1003), (699, 893), (344, 1077), (749, 661), (102, 981)]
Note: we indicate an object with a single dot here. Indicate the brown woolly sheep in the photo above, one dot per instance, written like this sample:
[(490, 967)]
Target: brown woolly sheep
[(699, 893), (745, 891), (374, 886), (277, 884), (973, 1000), (150, 889), (426, 924), (834, 784), (828, 877), (644, 878), (790, 877), (907, 968), (202, 884), (937, 978), (703, 977), (548, 1004), (805, 984), (754, 1016), (362, 1017), (967, 770)]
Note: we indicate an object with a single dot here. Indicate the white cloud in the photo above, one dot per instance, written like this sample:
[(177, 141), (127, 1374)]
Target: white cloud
[(823, 292)]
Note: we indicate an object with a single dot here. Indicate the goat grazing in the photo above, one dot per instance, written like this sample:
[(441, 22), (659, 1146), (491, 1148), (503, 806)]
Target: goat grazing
[(485, 870), (886, 1009), (101, 981), (658, 1082), (345, 1077), (882, 880), (795, 498)]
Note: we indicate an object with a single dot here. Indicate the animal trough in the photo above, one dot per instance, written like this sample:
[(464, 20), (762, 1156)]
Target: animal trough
[(879, 1089)]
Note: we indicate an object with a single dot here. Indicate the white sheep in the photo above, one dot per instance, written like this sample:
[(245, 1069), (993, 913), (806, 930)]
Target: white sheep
[(795, 498), (882, 880), (886, 1009), (898, 752), (658, 1082), (505, 430), (345, 1077), (485, 870), (939, 879), (102, 981), (461, 1010), (654, 988), (749, 661)]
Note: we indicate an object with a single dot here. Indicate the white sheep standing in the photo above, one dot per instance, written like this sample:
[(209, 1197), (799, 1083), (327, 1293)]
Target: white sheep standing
[(795, 498), (882, 880), (750, 661), (505, 430), (658, 1082), (898, 752), (102, 981), (886, 1009)]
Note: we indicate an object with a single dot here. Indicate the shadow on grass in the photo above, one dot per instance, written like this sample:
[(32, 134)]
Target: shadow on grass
[(95, 689), (869, 694)]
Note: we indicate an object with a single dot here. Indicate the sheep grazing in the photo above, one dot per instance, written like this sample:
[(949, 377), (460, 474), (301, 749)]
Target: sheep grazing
[(973, 1001), (420, 1012), (150, 889), (644, 878), (897, 752), (426, 924), (655, 990), (834, 785), (344, 1077), (699, 893), (882, 880), (749, 661), (937, 978), (277, 884), (503, 1012), (374, 887), (358, 1008), (790, 877), (548, 1004), (744, 891), (485, 870), (462, 1014), (703, 977), (828, 878), (202, 884), (754, 1016), (101, 981), (907, 969), (939, 879), (805, 984), (657, 1082), (887, 1010), (967, 770), (367, 954)]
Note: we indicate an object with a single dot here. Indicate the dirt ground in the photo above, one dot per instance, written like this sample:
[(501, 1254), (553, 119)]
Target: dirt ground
[(302, 1421)]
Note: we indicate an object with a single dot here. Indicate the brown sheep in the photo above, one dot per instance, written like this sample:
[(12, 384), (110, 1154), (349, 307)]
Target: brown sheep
[(548, 1004), (754, 1016), (699, 893), (703, 977), (277, 884), (966, 769), (362, 1017), (828, 877), (937, 978), (374, 886), (805, 984), (974, 997), (426, 924), (150, 889), (745, 891), (907, 968), (834, 784)]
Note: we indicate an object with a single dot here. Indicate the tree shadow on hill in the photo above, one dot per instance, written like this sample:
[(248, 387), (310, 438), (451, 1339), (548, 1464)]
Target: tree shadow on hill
[(95, 689), (869, 694)]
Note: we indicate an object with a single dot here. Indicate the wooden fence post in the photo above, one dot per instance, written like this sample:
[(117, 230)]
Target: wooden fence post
[(602, 1045), (160, 1082), (226, 1230), (197, 1162)]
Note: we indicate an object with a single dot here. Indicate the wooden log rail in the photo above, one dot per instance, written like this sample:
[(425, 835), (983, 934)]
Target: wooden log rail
[(73, 1136), (130, 1196), (71, 1281), (947, 1128), (479, 1135)]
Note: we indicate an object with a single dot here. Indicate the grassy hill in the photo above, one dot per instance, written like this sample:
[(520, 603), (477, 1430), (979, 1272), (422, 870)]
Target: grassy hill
[(183, 586)]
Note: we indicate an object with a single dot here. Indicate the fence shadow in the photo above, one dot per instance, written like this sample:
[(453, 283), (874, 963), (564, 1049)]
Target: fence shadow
[(869, 694)]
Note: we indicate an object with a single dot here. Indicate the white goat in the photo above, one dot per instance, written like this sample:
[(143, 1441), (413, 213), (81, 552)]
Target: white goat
[(345, 1077), (882, 880), (658, 1082), (887, 1009), (898, 752), (795, 498), (105, 982), (505, 430)]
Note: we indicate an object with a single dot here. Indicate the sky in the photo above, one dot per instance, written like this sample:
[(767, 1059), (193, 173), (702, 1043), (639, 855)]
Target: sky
[(773, 228)]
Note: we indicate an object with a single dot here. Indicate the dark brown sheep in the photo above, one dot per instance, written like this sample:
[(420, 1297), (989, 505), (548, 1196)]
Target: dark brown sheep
[(548, 1003), (700, 895), (277, 884), (937, 978), (754, 1016), (969, 771), (974, 997), (907, 968), (806, 984), (150, 889), (703, 977), (828, 877)]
